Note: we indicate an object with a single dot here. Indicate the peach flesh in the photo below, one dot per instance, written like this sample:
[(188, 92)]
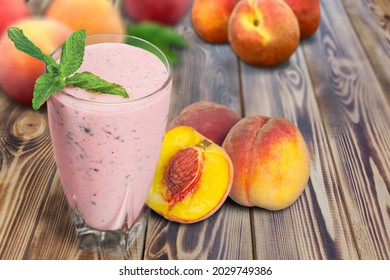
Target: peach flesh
[(193, 177)]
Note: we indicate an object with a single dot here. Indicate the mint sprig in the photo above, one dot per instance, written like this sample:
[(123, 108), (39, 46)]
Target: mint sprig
[(90, 81), (45, 86), (72, 53), (58, 76)]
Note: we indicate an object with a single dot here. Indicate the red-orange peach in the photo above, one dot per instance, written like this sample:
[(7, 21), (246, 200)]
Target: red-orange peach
[(210, 19), (11, 11), (19, 71), (263, 32), (167, 12), (212, 120), (270, 160), (96, 17), (308, 15)]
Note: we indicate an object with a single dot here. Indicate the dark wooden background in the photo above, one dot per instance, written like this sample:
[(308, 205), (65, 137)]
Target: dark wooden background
[(335, 88)]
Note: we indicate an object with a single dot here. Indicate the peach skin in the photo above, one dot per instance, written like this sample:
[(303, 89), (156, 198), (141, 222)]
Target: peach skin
[(210, 19), (263, 32), (210, 119), (308, 15), (19, 71), (271, 162), (12, 11), (96, 17)]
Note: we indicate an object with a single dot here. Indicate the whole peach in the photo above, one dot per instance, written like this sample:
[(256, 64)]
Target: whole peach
[(263, 32), (163, 11), (12, 11), (210, 19), (19, 71), (270, 160), (210, 119), (96, 17), (308, 15)]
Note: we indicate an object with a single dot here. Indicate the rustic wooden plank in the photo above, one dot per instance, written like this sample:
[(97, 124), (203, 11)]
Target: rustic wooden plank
[(53, 238), (207, 72), (371, 21), (315, 226), (224, 235), (356, 120), (26, 167)]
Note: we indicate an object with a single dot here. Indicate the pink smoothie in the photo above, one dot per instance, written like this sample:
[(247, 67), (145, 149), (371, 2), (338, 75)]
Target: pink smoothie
[(107, 147)]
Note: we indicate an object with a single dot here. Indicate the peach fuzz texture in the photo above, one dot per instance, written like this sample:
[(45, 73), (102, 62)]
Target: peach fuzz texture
[(263, 32), (271, 162), (212, 120), (96, 17), (308, 14), (12, 11), (19, 71), (210, 19)]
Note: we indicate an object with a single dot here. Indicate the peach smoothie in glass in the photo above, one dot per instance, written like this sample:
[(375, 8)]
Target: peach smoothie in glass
[(106, 146)]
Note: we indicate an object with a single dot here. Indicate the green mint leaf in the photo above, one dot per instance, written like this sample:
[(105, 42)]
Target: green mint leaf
[(45, 86), (51, 65), (51, 68), (58, 76), (89, 81), (24, 44), (164, 37), (72, 53)]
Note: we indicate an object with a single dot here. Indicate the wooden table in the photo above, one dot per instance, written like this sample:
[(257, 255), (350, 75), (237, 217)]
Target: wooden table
[(336, 89)]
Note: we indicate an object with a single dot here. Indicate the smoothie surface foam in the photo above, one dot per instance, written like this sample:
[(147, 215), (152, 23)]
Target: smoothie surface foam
[(125, 65)]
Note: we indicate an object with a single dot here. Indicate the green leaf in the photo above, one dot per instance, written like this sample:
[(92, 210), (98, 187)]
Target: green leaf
[(45, 86), (24, 44), (164, 37), (89, 81), (51, 65), (58, 76), (72, 53)]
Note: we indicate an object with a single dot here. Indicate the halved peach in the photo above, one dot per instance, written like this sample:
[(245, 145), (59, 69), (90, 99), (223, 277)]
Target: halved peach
[(193, 177)]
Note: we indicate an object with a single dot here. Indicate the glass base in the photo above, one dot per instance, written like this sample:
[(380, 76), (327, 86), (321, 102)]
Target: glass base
[(118, 241)]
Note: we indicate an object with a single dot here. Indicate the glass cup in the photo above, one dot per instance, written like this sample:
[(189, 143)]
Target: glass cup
[(106, 149)]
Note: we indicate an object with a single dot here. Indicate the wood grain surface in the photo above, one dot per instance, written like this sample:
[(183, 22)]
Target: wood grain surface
[(27, 166), (371, 22), (335, 88), (356, 119), (315, 226), (210, 73)]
